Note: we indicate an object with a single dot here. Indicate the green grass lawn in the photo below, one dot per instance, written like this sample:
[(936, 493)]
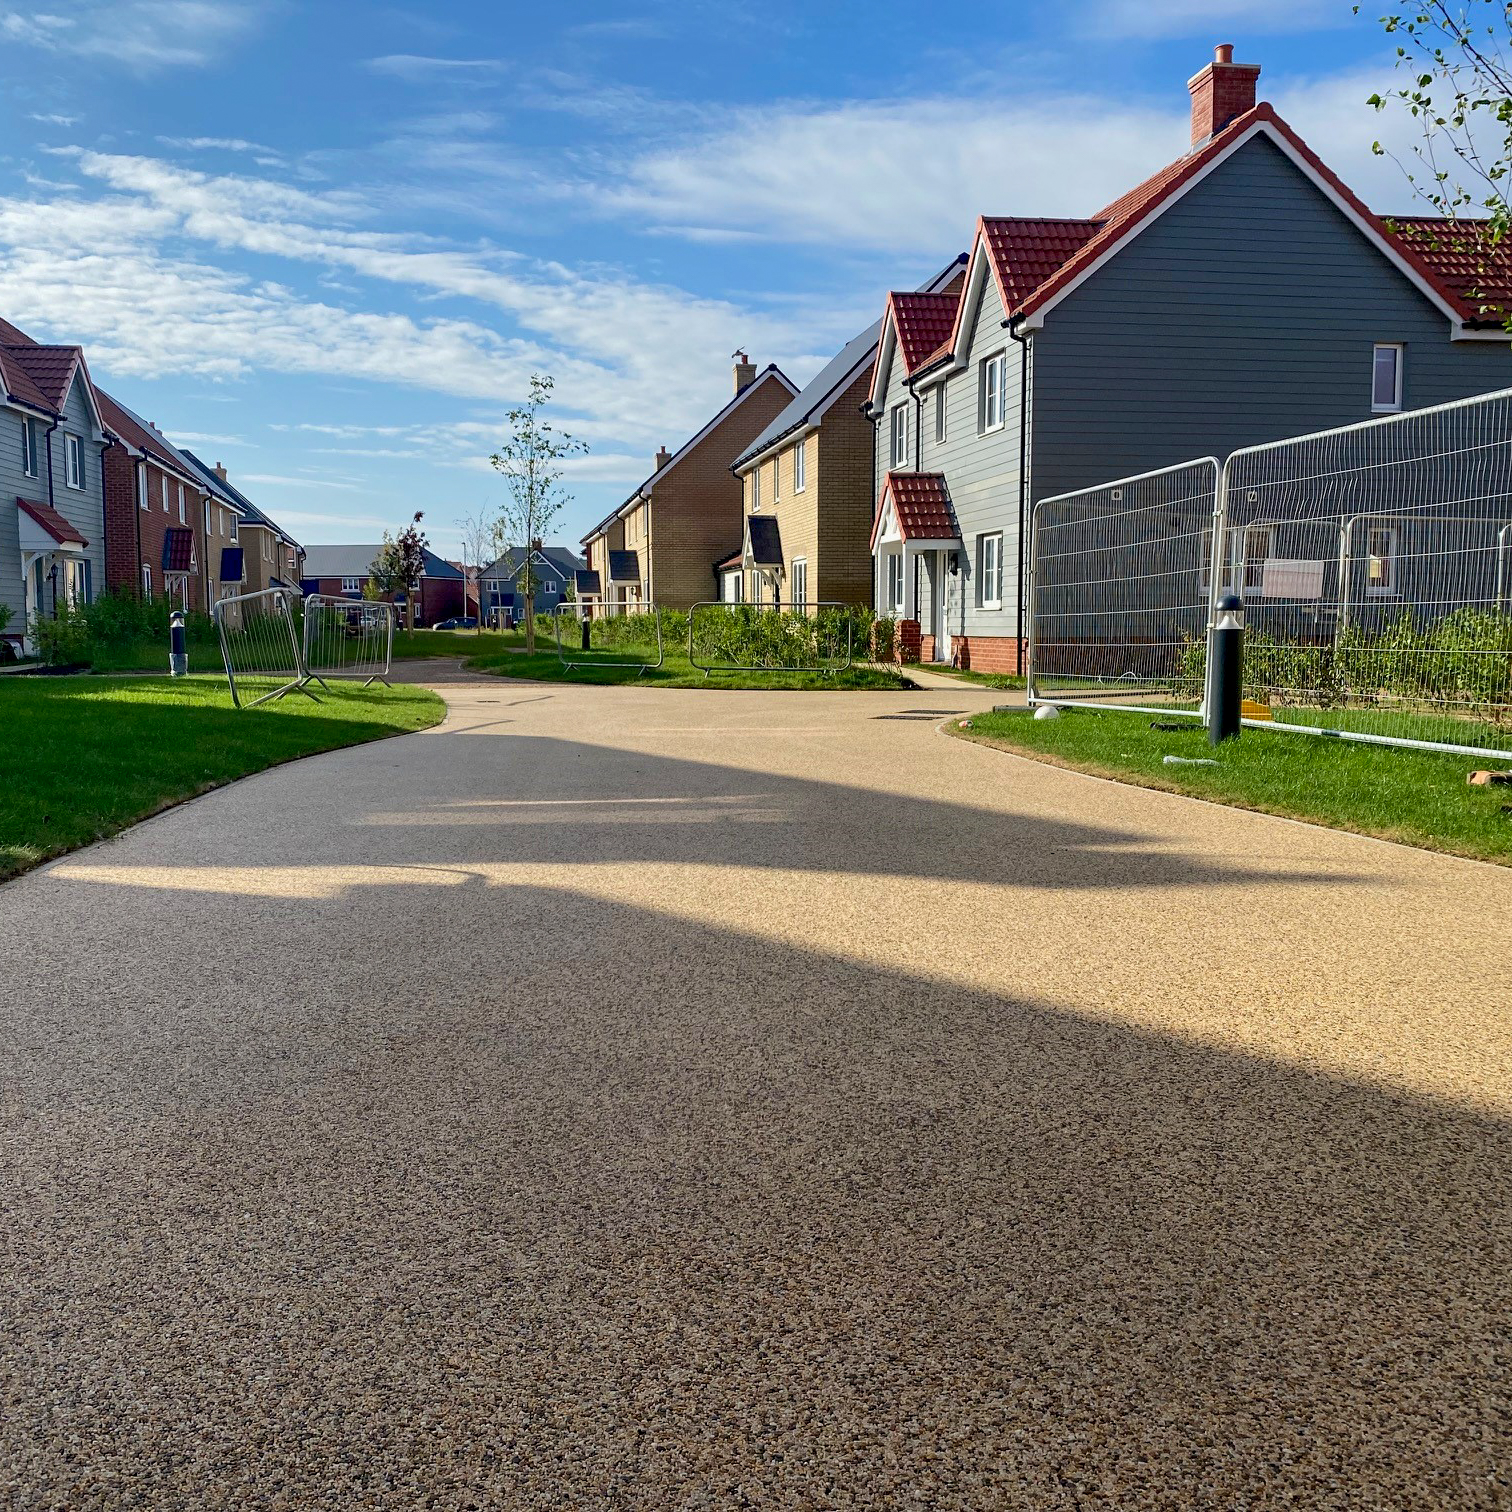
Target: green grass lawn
[(83, 757), (1418, 797)]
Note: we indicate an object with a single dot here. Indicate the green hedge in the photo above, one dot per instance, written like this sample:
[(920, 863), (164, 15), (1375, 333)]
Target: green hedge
[(112, 622), (1463, 660), (744, 635)]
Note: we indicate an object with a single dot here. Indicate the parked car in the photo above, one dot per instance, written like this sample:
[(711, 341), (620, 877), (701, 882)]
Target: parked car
[(456, 623)]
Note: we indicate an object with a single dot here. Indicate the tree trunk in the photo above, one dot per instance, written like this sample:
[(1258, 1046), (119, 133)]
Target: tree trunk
[(530, 625)]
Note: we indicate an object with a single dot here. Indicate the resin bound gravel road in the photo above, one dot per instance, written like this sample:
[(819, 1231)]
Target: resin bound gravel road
[(650, 1099)]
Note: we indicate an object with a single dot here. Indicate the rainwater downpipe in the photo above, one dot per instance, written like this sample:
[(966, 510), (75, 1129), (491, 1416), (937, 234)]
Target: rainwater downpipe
[(53, 575), (1017, 332)]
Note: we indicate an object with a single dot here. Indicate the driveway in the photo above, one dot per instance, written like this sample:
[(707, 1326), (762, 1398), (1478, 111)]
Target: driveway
[(657, 1099)]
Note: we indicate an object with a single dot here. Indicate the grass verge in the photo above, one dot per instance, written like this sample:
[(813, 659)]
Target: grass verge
[(981, 679), (1416, 797), (504, 655), (83, 757)]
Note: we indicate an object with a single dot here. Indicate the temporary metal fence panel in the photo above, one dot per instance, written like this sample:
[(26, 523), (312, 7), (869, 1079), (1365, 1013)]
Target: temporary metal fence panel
[(609, 633), (348, 638), (726, 637), (1373, 562), (260, 645), (1119, 591)]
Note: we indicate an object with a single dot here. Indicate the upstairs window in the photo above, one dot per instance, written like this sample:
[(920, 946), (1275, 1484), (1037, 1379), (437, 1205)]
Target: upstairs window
[(897, 451), (142, 495), (351, 585), (163, 480), (74, 461), (1386, 377), (800, 467), (182, 520), (776, 477), (939, 414), (755, 489), (993, 383), (29, 447), (235, 527), (205, 506)]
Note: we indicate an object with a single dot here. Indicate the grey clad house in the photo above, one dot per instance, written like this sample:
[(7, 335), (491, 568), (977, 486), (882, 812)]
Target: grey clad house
[(1240, 295), (557, 571), (52, 516)]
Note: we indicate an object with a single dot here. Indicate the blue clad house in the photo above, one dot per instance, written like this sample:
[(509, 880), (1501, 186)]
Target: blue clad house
[(1240, 295), (52, 511), (555, 569)]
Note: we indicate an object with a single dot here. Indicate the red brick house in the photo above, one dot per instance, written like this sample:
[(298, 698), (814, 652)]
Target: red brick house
[(343, 571)]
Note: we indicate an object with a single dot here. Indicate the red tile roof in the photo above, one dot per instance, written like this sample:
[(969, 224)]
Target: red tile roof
[(52, 522), (921, 503), (126, 427), (1026, 252), (1462, 256), (178, 550), (923, 322)]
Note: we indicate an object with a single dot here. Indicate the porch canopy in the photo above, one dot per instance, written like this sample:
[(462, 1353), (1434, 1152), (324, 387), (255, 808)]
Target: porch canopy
[(914, 515), (43, 530)]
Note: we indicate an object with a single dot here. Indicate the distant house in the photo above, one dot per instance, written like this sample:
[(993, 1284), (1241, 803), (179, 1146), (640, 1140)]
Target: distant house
[(809, 473), (343, 571), (165, 530), (555, 570), (660, 545), (52, 513), (257, 554), (1240, 295)]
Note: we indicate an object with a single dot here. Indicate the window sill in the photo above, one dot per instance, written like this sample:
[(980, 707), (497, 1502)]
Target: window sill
[(1385, 409), (994, 604)]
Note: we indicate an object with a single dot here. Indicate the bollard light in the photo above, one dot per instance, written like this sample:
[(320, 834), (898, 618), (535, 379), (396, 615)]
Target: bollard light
[(1227, 689), (178, 650)]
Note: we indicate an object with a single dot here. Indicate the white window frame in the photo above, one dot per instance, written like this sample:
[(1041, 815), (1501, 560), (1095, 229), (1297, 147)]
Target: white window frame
[(992, 385), (352, 584), (939, 415), (755, 488), (777, 478), (146, 582), (1399, 352), (798, 594), (800, 467), (235, 528), (73, 454), (894, 584), (144, 495), (28, 446), (990, 568), (205, 511), (182, 520), (897, 436), (756, 586), (1387, 587), (163, 480)]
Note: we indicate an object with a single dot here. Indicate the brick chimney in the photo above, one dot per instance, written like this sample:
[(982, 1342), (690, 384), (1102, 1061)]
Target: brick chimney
[(220, 472), (1223, 91), (663, 456), (745, 372)]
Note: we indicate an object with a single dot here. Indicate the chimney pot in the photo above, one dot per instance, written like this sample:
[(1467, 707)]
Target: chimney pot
[(745, 372), (1221, 93)]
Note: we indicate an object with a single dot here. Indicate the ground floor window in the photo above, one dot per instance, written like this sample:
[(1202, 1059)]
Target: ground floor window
[(1381, 560), (990, 569), (146, 583), (756, 588), (800, 585), (76, 581), (731, 587), (895, 583)]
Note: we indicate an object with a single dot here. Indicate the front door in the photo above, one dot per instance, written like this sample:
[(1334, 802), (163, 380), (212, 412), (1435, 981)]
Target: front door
[(947, 605)]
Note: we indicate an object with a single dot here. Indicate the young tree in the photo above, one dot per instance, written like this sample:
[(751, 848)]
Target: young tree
[(530, 459), (1457, 66), (481, 539), (399, 564)]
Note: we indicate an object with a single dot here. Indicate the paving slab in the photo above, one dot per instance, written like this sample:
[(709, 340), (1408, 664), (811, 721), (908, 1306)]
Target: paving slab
[(642, 1098)]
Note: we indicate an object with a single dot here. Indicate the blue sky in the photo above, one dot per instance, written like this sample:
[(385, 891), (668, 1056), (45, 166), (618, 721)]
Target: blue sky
[(327, 244)]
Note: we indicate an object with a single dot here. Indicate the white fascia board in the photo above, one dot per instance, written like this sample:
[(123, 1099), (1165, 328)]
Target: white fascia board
[(788, 438), (1260, 128), (886, 351), (722, 414), (978, 271)]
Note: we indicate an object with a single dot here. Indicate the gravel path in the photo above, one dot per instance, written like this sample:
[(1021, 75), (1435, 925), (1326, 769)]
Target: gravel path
[(629, 1098)]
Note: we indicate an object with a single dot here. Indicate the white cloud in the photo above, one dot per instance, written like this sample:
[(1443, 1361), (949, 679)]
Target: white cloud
[(206, 438), (218, 144), (54, 120), (139, 34), (283, 481), (414, 69)]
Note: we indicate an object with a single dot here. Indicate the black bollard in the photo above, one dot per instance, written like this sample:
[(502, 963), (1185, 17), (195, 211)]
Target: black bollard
[(1227, 688), (178, 650), (586, 628)]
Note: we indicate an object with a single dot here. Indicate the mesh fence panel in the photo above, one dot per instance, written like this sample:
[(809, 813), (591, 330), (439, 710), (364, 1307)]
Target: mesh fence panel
[(350, 638), (260, 645), (1119, 594), (605, 633), (1374, 565)]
